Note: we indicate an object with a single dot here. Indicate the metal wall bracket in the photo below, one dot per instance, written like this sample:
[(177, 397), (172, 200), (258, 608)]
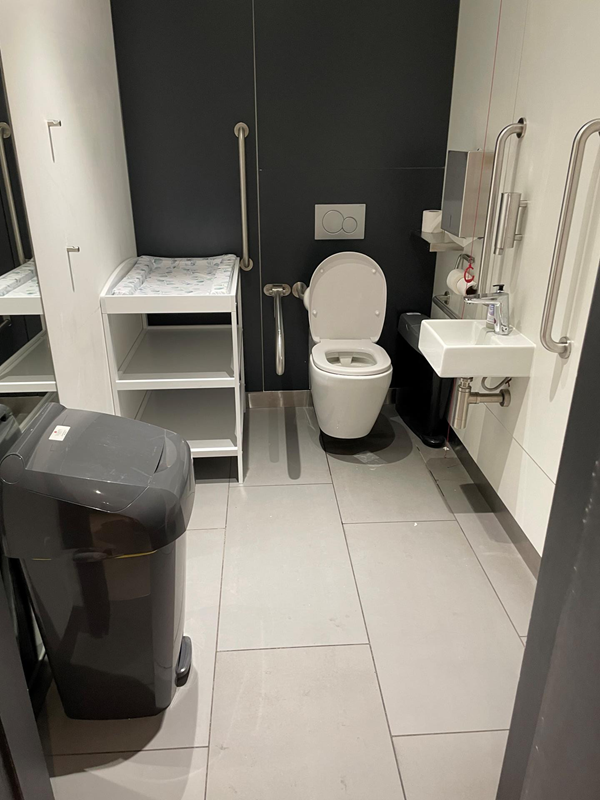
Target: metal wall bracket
[(299, 290)]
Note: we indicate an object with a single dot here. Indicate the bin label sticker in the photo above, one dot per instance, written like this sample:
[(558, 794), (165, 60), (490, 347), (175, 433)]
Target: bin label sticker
[(59, 433)]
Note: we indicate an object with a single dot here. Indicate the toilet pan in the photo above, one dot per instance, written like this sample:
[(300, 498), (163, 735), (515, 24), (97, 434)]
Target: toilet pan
[(349, 373), (347, 406)]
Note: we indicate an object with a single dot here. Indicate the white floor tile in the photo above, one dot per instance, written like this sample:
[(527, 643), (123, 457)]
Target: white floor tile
[(382, 478), (186, 722), (503, 565), (446, 653), (283, 447), (459, 766), (298, 724), (154, 775), (287, 576), (212, 489)]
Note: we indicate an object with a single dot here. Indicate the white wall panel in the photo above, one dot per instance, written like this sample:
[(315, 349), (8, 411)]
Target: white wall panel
[(546, 63), (59, 63)]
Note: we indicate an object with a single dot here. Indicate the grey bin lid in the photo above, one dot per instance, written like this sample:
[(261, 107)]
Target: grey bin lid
[(103, 462), (409, 327)]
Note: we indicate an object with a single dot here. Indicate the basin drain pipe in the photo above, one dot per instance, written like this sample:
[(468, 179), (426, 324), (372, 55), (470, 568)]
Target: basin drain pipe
[(464, 398)]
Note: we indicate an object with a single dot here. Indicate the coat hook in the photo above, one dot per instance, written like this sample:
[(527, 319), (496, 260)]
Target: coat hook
[(72, 249), (52, 123)]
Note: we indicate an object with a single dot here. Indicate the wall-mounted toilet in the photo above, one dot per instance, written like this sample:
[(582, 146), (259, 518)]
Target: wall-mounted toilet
[(349, 373)]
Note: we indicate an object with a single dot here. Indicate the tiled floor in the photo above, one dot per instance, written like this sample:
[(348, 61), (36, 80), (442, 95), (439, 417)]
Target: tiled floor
[(358, 620)]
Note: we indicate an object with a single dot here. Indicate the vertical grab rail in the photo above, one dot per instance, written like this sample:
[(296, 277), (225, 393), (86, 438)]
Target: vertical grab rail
[(5, 132), (241, 130), (562, 347), (514, 129), (277, 291)]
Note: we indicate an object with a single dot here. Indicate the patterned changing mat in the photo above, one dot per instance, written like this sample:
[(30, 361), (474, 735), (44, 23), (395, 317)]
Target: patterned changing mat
[(169, 276), (20, 282)]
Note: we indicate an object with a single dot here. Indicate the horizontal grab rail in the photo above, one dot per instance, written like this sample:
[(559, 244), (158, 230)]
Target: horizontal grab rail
[(241, 130), (563, 346), (277, 291)]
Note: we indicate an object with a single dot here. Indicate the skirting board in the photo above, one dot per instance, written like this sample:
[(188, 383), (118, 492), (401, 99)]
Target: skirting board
[(513, 530), (301, 398)]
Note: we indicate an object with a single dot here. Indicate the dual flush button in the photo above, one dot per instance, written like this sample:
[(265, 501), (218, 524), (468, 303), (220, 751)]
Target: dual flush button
[(340, 221)]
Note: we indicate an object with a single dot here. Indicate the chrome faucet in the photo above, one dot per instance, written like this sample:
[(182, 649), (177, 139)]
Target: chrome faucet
[(498, 309)]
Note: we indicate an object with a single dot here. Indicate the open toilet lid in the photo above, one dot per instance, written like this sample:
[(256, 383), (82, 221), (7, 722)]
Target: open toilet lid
[(347, 298)]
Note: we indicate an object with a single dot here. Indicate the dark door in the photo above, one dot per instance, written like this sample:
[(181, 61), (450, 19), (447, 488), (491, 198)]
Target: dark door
[(23, 772), (553, 750)]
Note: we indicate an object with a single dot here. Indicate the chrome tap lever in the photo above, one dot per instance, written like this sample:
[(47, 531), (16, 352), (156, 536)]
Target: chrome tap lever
[(498, 303)]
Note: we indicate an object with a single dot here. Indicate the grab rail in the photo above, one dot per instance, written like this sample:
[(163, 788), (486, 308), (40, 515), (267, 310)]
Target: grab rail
[(277, 291), (5, 132), (241, 130), (563, 346), (514, 129)]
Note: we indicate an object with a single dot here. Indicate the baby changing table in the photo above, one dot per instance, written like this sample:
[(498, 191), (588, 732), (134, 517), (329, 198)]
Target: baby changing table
[(188, 378)]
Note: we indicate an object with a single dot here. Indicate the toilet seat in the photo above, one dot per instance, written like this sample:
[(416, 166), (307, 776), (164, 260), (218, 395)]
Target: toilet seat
[(347, 298), (356, 357)]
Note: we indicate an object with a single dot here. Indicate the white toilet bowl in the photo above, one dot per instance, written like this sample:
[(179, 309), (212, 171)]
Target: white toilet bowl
[(349, 373)]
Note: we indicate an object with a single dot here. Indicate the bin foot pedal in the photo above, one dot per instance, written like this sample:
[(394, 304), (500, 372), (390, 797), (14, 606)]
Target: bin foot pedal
[(184, 662)]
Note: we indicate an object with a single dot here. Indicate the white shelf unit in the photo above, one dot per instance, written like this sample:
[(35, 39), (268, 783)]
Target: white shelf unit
[(186, 378), (29, 369)]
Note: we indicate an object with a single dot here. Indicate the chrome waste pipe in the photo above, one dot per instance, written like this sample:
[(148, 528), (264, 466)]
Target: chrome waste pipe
[(464, 398)]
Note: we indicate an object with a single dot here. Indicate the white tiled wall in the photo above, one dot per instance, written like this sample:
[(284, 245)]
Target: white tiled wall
[(536, 59)]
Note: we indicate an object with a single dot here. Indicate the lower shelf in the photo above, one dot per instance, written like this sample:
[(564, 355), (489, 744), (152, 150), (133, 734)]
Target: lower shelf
[(29, 369), (204, 417)]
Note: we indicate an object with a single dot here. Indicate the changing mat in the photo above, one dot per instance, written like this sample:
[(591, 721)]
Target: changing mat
[(23, 279), (178, 276)]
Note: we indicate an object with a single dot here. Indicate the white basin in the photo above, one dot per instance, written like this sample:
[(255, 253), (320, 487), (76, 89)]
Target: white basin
[(466, 348)]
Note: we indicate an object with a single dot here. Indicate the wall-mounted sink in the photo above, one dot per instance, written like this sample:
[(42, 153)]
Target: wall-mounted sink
[(460, 348)]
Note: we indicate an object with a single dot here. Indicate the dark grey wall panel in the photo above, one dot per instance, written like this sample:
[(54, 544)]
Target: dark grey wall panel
[(290, 253), (349, 83), (186, 76), (352, 103)]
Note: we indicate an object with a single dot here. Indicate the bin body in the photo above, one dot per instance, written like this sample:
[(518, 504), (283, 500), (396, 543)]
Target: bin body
[(422, 397), (97, 515)]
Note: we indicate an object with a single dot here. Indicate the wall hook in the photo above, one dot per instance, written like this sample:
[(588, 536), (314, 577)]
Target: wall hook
[(72, 249), (52, 123)]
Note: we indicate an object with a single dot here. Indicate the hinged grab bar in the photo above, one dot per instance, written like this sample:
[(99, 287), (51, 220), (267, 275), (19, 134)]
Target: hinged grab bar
[(277, 291), (514, 129), (563, 346), (241, 130), (5, 132)]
